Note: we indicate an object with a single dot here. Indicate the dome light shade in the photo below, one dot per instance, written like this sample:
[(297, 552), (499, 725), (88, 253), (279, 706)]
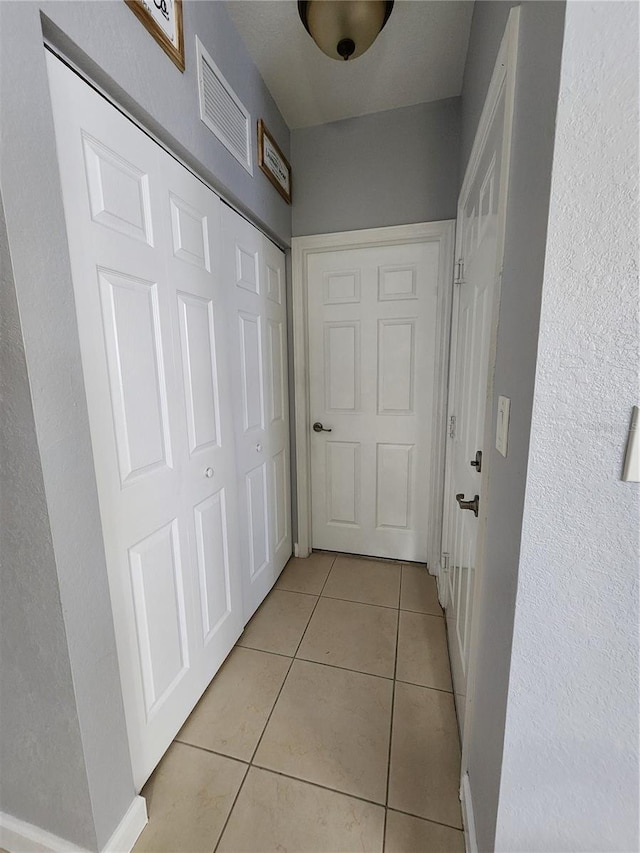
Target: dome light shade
[(344, 29)]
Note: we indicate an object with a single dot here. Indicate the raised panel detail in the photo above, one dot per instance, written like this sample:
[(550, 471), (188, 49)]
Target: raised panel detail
[(197, 337), (396, 344), (397, 282), (136, 372), (342, 366), (257, 498), (158, 601), (487, 201), (247, 269), (274, 285), (277, 384), (118, 191), (343, 482), (251, 364), (210, 519), (342, 287), (190, 233), (280, 487), (393, 485)]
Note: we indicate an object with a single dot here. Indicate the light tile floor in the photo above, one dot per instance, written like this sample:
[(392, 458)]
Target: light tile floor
[(330, 727)]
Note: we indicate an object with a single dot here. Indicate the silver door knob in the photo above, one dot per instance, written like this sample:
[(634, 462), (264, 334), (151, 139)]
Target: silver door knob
[(471, 505), (208, 473), (258, 447), (317, 427)]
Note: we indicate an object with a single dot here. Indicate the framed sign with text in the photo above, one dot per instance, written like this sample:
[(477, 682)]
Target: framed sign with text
[(163, 19), (273, 162)]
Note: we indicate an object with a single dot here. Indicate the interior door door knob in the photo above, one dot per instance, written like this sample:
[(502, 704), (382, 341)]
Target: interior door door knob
[(472, 505), (208, 473), (317, 427)]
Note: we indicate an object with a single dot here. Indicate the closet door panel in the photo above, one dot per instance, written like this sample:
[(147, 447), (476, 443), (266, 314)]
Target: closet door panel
[(201, 347), (145, 251), (254, 272)]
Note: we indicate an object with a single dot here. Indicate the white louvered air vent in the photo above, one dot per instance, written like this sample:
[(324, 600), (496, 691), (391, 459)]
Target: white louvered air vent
[(222, 111)]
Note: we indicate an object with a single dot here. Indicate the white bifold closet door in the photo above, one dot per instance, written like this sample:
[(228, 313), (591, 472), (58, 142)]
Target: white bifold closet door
[(254, 274), (157, 337)]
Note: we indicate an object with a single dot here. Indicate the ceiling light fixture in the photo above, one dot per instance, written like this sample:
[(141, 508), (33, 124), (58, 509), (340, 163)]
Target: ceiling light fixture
[(344, 29)]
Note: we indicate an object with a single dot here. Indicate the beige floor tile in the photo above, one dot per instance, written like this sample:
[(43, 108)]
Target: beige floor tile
[(331, 726), (306, 575), (419, 591), (189, 797), (234, 710), (275, 813), (422, 651), (367, 581), (279, 623), (355, 636), (407, 834), (425, 755)]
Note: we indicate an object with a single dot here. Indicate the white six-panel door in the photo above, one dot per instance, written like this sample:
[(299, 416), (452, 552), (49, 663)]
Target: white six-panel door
[(477, 245), (145, 247), (372, 315), (254, 274)]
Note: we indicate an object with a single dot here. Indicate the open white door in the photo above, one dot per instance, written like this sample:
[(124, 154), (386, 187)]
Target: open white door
[(479, 249), (144, 242)]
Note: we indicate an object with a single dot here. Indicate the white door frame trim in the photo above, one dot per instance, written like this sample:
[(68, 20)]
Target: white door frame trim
[(503, 78), (301, 249)]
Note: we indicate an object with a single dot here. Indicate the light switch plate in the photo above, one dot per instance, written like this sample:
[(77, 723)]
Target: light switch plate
[(502, 426)]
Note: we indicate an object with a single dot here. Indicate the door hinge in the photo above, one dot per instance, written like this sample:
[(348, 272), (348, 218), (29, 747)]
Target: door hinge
[(459, 278), (444, 561), (452, 426)]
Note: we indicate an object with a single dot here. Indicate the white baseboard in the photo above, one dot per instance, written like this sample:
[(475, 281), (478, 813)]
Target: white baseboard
[(129, 829), (18, 836), (470, 841), (300, 552)]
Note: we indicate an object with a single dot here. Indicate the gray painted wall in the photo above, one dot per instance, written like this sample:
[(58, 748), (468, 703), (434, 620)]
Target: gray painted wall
[(108, 43), (390, 168), (540, 47), (36, 688), (570, 767)]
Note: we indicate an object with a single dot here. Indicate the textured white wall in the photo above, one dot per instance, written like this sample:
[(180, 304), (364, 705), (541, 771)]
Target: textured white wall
[(570, 763)]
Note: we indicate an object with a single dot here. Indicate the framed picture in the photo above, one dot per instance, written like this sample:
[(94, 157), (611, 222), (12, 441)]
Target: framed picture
[(273, 162), (163, 19)]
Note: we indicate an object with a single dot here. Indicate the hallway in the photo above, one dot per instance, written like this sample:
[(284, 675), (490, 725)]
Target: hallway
[(335, 703)]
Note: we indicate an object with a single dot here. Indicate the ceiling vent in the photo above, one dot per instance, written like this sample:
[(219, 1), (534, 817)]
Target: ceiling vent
[(222, 111)]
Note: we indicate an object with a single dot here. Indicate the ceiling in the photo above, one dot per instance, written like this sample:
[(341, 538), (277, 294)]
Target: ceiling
[(419, 56)]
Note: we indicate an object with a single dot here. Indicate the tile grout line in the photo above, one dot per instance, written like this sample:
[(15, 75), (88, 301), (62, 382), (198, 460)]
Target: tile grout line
[(348, 794), (363, 603), (295, 654), (393, 703), (351, 600), (335, 666), (233, 805), (284, 681), (344, 794), (211, 751), (427, 819), (273, 707)]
